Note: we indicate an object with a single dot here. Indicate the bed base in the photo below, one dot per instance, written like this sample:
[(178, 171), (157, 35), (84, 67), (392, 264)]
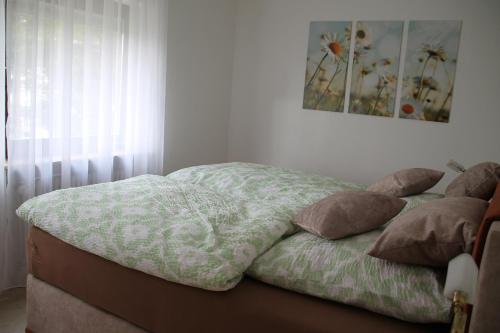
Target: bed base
[(157, 305), (52, 310)]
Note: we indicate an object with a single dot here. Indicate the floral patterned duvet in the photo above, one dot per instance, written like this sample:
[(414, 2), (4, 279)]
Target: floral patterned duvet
[(204, 226), (201, 226), (341, 271)]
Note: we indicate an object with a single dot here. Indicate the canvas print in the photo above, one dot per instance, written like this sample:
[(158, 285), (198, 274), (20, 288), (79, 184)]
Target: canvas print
[(375, 67), (429, 70), (327, 61)]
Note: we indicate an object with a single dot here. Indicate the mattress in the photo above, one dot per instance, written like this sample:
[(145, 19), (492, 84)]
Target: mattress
[(157, 305)]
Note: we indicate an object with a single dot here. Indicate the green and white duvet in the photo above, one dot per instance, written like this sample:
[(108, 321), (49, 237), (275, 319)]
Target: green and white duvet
[(201, 226), (341, 271), (204, 226)]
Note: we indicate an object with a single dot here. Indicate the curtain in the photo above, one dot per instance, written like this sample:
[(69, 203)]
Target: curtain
[(86, 101)]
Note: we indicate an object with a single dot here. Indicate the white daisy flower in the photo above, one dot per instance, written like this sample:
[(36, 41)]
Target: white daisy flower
[(411, 109), (363, 36), (332, 45)]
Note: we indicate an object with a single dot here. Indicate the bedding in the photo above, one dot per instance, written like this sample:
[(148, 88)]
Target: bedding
[(433, 233), (201, 226), (204, 226), (342, 271), (407, 182), (478, 181), (348, 213)]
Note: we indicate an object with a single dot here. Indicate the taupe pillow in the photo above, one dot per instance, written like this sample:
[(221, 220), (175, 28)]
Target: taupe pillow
[(433, 233), (348, 213), (479, 181), (407, 182)]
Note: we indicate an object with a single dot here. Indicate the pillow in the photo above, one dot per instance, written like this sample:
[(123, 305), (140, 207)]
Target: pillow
[(479, 181), (348, 213), (407, 182), (433, 233)]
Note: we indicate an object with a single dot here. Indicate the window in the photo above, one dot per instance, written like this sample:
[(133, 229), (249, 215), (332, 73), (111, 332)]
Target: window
[(86, 87), (69, 73), (86, 83)]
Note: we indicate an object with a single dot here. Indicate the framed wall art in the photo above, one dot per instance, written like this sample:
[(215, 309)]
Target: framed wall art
[(429, 70), (375, 67), (327, 63)]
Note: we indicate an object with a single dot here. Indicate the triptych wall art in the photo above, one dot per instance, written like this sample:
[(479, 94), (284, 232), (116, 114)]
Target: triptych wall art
[(327, 60), (427, 77)]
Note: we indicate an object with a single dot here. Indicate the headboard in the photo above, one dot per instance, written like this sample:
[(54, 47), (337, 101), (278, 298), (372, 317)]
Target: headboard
[(486, 252), (492, 215)]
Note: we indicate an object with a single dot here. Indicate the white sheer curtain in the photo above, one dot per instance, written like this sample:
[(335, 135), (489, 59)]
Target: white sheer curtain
[(86, 101)]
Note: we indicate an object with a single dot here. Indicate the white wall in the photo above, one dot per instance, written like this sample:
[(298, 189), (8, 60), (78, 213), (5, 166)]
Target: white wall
[(200, 58), (268, 125)]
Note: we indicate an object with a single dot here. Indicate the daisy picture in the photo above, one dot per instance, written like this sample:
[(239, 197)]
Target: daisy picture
[(326, 70), (429, 70), (375, 67)]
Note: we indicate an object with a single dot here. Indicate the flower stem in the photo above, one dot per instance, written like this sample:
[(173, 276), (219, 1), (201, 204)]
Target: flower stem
[(311, 80), (340, 104), (441, 109), (420, 86), (371, 110), (328, 86), (360, 84)]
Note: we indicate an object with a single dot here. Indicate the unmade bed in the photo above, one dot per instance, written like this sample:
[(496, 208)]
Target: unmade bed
[(91, 276)]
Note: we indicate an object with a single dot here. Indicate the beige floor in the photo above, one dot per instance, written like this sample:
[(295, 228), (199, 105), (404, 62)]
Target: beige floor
[(13, 311)]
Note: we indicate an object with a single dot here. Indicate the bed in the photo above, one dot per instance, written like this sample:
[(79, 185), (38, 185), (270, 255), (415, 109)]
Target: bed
[(76, 285)]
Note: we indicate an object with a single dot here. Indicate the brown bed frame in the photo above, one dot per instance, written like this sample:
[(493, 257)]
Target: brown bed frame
[(70, 290)]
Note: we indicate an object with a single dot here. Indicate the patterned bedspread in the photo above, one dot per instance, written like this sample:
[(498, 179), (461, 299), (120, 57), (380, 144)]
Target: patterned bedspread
[(341, 270), (204, 226), (201, 226)]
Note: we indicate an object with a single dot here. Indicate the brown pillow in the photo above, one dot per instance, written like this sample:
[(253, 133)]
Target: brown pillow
[(407, 182), (479, 181), (433, 233), (348, 213)]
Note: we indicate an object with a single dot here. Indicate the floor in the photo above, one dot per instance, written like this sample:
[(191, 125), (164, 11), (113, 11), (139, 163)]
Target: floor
[(13, 311)]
